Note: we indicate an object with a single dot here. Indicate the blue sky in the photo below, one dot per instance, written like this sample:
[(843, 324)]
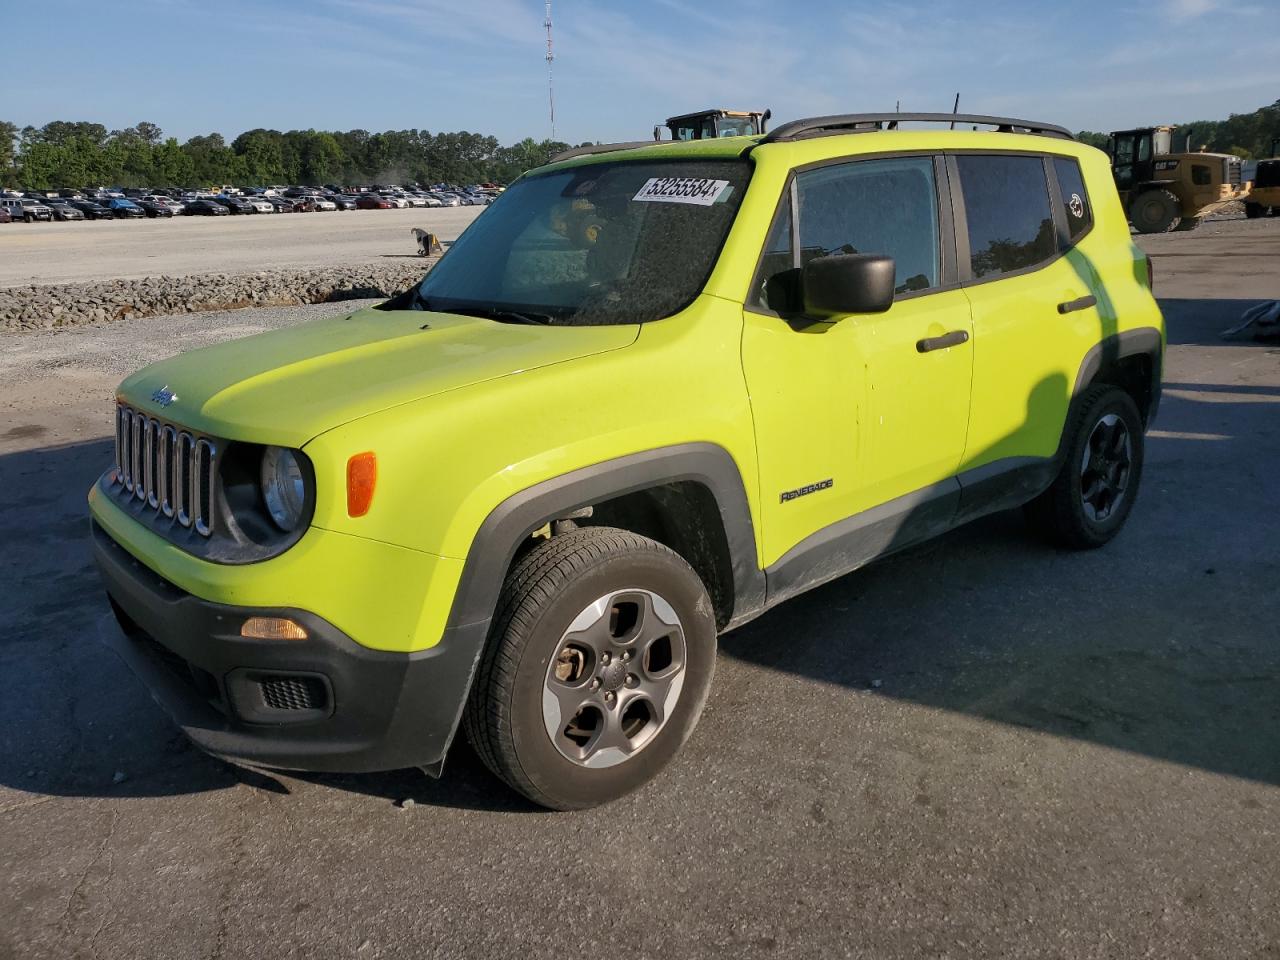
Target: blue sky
[(195, 66)]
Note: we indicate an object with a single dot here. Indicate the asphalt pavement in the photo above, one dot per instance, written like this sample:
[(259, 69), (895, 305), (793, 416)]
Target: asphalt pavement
[(979, 748)]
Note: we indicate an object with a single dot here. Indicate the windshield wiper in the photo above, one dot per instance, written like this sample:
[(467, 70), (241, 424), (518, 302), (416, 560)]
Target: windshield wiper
[(501, 314)]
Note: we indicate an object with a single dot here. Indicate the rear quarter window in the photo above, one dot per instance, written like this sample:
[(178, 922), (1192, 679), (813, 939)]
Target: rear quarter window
[(1075, 199)]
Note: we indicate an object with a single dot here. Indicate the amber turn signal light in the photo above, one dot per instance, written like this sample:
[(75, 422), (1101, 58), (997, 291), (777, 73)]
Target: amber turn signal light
[(272, 628), (362, 477)]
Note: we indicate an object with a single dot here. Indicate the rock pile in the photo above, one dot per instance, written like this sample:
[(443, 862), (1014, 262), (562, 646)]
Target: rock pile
[(41, 306)]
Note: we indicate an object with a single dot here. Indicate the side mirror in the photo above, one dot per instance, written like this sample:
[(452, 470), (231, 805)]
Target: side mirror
[(848, 283)]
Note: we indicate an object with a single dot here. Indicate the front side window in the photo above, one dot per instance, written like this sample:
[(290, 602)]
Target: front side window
[(606, 243), (887, 207), (1006, 203)]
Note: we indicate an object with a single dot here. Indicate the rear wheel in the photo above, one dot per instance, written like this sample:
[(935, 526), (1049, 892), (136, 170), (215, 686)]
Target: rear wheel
[(1090, 499), (1254, 210), (599, 661), (1155, 211)]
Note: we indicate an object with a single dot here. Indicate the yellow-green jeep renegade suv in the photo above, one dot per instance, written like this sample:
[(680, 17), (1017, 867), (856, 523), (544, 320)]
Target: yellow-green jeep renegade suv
[(647, 395)]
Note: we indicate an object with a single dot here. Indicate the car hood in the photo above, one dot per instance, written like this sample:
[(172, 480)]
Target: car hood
[(288, 386)]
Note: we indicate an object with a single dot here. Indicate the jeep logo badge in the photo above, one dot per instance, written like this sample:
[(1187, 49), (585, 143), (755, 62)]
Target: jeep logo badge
[(164, 396)]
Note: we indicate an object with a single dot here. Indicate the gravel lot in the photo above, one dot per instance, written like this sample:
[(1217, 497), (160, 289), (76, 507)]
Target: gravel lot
[(123, 249), (980, 748)]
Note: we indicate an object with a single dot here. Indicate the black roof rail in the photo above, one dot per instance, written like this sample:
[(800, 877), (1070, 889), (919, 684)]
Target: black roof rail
[(868, 122), (599, 148)]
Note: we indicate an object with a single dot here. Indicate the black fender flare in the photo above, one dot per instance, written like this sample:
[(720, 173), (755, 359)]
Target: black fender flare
[(1126, 343), (457, 655), (513, 520)]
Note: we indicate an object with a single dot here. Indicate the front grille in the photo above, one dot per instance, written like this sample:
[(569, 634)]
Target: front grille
[(1233, 171), (293, 693), (167, 468)]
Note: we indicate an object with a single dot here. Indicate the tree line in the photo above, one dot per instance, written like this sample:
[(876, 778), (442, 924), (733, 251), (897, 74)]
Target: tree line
[(1247, 135), (79, 154)]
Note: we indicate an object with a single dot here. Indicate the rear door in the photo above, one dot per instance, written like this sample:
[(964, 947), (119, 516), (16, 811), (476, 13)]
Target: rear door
[(1034, 296)]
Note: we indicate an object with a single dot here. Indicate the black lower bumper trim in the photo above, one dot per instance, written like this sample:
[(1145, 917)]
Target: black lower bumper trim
[(379, 710)]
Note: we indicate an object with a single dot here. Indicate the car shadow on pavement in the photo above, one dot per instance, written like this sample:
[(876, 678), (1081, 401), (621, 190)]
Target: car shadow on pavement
[(1163, 644), (1202, 322)]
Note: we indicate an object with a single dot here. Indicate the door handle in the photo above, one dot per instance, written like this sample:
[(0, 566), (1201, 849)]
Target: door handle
[(1080, 303), (952, 339)]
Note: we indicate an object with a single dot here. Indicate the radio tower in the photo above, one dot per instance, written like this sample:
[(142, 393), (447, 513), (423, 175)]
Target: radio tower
[(551, 93)]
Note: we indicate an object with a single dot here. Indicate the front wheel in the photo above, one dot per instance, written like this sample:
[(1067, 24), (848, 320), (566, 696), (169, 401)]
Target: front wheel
[(1090, 499), (599, 661)]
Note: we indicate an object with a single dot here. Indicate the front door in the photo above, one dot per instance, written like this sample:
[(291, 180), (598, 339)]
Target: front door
[(854, 412)]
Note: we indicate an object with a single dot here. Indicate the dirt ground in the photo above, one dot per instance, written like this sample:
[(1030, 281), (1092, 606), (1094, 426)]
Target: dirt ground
[(127, 249), (979, 748)]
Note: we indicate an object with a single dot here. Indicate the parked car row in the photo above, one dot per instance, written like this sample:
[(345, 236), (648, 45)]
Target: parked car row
[(137, 203)]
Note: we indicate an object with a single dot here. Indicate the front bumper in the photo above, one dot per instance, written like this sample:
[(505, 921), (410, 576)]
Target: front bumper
[(324, 704)]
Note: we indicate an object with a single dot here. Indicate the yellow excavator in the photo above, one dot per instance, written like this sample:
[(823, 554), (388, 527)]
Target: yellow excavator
[(1163, 190), (711, 124), (1264, 198)]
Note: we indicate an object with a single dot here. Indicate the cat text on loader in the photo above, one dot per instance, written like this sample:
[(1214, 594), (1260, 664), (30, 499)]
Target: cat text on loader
[(1264, 198), (713, 124), (1163, 190)]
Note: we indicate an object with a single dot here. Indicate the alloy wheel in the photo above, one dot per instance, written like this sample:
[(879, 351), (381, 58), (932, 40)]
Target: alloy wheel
[(614, 679), (1105, 468)]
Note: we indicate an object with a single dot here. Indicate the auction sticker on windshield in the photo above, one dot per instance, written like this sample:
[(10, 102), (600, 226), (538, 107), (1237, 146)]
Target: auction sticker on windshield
[(697, 190)]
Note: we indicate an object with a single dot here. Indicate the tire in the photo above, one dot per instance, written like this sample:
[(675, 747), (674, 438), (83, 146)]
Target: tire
[(1066, 514), (634, 588), (1155, 211), (1254, 210)]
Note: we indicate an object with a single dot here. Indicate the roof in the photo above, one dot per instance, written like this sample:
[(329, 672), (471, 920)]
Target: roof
[(722, 148), (852, 142)]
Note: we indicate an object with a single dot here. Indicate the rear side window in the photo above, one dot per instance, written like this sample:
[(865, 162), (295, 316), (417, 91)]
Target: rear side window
[(1075, 199), (1006, 204)]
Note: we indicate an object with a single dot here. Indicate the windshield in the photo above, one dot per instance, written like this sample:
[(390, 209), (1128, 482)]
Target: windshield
[(601, 244)]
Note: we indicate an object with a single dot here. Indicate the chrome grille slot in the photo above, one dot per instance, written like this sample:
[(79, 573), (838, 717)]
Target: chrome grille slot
[(136, 456), (171, 471), (149, 452), (202, 487), (124, 447), (182, 477), (168, 444)]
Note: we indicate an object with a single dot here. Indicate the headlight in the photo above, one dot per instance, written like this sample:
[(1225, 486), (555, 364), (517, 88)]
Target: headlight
[(283, 487)]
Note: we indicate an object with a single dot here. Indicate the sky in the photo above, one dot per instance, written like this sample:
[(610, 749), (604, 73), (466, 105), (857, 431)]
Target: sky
[(198, 66)]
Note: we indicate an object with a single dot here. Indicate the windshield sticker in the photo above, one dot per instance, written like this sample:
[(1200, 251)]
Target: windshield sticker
[(696, 190)]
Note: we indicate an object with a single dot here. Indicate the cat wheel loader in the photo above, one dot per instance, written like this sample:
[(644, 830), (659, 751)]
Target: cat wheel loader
[(1163, 190)]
